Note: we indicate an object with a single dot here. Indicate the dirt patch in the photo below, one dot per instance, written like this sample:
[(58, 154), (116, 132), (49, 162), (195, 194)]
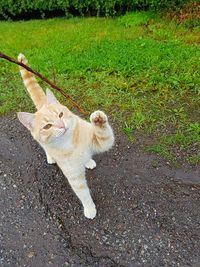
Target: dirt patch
[(148, 214)]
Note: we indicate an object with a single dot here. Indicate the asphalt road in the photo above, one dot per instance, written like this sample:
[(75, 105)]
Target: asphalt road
[(148, 211)]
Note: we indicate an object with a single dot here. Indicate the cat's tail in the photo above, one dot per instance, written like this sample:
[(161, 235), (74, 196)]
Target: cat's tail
[(37, 94)]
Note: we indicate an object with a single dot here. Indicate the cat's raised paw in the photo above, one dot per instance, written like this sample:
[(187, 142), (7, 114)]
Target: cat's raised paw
[(91, 164), (98, 118), (90, 212)]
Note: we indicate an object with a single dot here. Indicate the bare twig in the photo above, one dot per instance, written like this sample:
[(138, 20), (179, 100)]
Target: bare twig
[(53, 85)]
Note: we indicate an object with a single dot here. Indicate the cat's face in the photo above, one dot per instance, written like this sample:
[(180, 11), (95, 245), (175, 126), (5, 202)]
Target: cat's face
[(50, 123)]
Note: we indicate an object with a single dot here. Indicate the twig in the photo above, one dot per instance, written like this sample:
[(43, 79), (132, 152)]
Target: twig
[(53, 85)]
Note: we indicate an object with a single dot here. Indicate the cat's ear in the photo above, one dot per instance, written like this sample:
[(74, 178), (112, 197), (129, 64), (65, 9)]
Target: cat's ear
[(51, 99), (26, 119)]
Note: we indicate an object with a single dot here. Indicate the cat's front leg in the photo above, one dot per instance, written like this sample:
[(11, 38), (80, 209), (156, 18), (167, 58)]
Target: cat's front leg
[(102, 136), (77, 180), (50, 160), (91, 164)]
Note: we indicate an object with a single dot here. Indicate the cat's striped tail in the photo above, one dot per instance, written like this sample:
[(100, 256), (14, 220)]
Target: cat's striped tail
[(37, 94)]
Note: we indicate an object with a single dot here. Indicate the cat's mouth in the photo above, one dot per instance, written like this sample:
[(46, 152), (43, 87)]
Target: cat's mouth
[(62, 132), (65, 130)]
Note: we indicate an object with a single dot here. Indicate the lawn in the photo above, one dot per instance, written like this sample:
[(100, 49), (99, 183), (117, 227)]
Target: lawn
[(141, 69)]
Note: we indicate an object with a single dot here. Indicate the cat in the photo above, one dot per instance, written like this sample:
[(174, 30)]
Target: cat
[(67, 140)]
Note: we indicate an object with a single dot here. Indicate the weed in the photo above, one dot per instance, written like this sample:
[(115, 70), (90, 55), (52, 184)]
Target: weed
[(161, 150), (194, 159), (137, 18), (194, 127), (129, 132)]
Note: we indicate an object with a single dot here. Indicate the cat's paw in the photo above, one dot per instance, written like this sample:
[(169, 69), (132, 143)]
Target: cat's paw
[(91, 164), (98, 118), (21, 58), (50, 160), (90, 212)]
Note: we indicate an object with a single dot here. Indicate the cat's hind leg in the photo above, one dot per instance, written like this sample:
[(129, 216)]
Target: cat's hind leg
[(91, 164)]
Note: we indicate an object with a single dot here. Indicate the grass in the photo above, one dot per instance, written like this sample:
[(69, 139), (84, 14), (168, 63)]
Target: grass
[(161, 150), (195, 159), (141, 69)]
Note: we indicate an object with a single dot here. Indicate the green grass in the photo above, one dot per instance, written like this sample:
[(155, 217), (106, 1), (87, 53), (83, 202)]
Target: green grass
[(141, 69), (194, 159), (161, 150), (180, 144)]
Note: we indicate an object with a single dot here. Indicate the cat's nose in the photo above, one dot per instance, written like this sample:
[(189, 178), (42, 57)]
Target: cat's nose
[(60, 125)]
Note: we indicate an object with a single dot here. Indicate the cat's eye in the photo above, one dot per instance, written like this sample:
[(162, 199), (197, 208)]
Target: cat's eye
[(61, 114), (48, 126)]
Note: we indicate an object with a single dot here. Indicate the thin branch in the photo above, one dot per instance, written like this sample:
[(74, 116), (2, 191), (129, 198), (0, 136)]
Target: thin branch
[(53, 85)]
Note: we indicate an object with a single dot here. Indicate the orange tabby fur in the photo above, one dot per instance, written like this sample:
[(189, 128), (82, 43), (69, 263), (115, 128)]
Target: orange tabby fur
[(67, 140)]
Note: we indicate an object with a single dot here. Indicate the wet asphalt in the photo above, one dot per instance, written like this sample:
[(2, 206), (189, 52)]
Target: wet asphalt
[(148, 211)]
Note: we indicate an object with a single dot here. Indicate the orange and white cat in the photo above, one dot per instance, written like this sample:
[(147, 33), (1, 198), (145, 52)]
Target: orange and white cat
[(66, 139)]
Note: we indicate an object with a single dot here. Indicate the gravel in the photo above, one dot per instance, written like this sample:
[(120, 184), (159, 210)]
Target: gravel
[(148, 215)]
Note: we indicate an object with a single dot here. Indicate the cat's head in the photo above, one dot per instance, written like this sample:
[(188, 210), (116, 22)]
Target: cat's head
[(51, 122)]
